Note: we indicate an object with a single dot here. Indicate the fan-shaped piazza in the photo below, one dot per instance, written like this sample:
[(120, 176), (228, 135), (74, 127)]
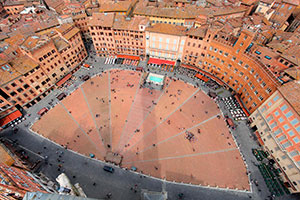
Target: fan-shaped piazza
[(176, 133)]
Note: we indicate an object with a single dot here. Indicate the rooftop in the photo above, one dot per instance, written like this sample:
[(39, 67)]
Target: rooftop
[(121, 6), (177, 13), (105, 19), (120, 22), (199, 32), (291, 92)]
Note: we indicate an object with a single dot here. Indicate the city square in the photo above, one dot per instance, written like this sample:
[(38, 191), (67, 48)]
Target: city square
[(151, 130)]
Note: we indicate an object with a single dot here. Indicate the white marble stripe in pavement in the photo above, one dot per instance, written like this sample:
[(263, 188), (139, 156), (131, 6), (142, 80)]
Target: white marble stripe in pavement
[(80, 127), (109, 108), (163, 120), (180, 133), (152, 107), (92, 114), (130, 110), (183, 156)]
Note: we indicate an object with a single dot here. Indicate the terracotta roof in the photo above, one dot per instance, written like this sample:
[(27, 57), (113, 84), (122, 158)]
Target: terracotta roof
[(60, 43), (7, 76), (199, 32), (103, 19), (13, 3), (23, 64), (120, 22), (291, 92), (67, 30), (176, 13), (249, 2), (167, 29), (121, 6), (5, 157), (267, 1), (229, 10), (292, 2), (81, 15)]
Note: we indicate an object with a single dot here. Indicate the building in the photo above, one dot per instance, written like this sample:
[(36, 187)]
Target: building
[(13, 7), (114, 34), (176, 16), (277, 125), (197, 43), (30, 72), (165, 41), (282, 11), (264, 6), (231, 61), (16, 182)]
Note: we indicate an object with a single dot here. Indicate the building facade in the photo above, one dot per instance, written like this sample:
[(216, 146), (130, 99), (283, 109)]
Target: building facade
[(277, 124), (117, 34), (165, 41), (41, 62), (232, 62)]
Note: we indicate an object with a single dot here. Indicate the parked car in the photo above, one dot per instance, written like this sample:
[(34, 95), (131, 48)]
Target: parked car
[(108, 169), (61, 96)]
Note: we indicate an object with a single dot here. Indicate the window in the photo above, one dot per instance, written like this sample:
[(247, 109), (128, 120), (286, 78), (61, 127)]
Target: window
[(286, 144), (13, 84), (281, 138), (277, 132), (294, 153), (246, 66), (20, 90), (290, 167), (296, 140), (269, 103), (276, 98), (13, 94), (281, 120), (276, 113), (273, 125), (283, 108), (289, 114), (291, 133), (294, 122), (286, 127)]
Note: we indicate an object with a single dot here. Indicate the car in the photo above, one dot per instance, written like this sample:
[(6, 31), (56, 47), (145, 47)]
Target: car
[(108, 169), (61, 96)]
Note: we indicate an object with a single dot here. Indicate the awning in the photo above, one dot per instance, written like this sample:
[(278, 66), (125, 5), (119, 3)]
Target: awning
[(242, 105), (204, 72), (160, 61), (9, 118), (261, 142), (63, 80), (129, 57), (87, 65), (190, 67), (203, 78)]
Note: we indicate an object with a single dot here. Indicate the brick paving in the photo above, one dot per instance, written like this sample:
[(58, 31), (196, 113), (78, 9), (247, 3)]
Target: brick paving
[(105, 112)]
